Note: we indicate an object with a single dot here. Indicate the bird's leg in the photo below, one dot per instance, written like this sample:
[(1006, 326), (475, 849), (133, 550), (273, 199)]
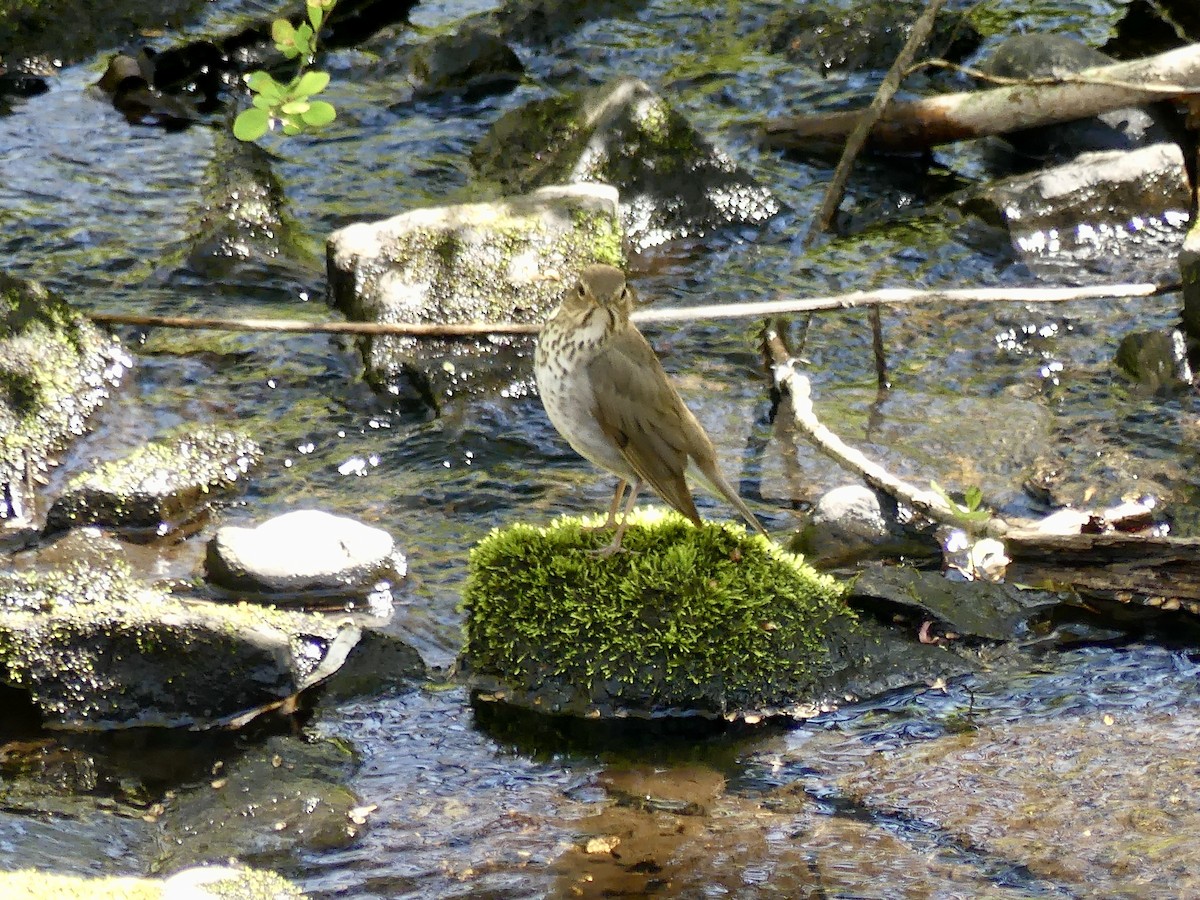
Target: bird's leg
[(615, 545), (611, 521)]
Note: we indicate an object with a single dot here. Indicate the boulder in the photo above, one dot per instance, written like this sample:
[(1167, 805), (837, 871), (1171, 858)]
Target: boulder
[(160, 486), (56, 368), (1120, 213), (305, 554), (503, 261), (673, 182), (686, 621), (853, 521), (95, 648)]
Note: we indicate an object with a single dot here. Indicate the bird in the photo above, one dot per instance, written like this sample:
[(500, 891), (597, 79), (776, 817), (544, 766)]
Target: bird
[(606, 393)]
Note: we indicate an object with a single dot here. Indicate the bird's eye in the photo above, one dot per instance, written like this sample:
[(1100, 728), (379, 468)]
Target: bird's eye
[(581, 290)]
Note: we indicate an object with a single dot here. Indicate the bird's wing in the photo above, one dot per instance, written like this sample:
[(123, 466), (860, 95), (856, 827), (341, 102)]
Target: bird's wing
[(639, 409)]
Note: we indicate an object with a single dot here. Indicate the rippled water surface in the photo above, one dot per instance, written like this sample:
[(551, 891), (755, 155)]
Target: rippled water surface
[(106, 213)]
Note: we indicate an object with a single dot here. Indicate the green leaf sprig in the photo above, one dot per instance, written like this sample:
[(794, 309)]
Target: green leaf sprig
[(289, 106)]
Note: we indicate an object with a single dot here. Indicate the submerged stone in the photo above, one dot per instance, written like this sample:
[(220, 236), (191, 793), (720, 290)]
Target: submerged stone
[(673, 182), (685, 621), (56, 368), (868, 35), (160, 486), (97, 649), (503, 261)]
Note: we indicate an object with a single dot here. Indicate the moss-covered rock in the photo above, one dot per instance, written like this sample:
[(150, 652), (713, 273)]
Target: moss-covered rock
[(56, 368), (159, 486), (673, 182), (95, 648), (504, 261), (685, 620)]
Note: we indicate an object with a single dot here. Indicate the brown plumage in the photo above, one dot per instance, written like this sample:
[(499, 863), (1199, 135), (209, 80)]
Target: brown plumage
[(608, 395)]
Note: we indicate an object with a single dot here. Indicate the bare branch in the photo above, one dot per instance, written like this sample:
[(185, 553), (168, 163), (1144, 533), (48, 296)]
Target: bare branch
[(856, 299)]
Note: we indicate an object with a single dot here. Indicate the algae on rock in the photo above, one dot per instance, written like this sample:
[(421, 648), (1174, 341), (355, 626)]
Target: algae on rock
[(56, 368), (686, 620)]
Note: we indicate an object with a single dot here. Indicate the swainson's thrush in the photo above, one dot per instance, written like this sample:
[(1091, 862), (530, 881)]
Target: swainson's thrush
[(607, 394)]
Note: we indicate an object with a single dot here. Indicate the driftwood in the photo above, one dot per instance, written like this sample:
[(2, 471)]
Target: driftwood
[(856, 299), (1162, 567), (918, 125), (1162, 571)]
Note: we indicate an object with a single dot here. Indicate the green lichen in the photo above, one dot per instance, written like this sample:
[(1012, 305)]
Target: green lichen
[(703, 619)]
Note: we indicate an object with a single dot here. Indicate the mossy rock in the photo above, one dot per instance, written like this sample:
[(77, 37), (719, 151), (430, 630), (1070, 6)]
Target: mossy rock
[(685, 621)]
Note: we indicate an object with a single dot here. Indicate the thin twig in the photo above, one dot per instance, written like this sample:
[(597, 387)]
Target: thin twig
[(858, 137), (854, 300)]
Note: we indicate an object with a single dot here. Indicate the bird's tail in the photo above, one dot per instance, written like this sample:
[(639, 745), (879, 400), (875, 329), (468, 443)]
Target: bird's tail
[(719, 486)]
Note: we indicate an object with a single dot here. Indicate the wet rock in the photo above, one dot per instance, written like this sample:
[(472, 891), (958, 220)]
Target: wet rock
[(504, 261), (282, 798), (159, 487), (56, 368), (1040, 55), (127, 83), (688, 621), (473, 61), (867, 36), (1121, 213), (673, 182), (305, 553), (1189, 272), (978, 609), (200, 883), (1156, 361), (539, 22), (244, 238), (97, 649), (850, 522)]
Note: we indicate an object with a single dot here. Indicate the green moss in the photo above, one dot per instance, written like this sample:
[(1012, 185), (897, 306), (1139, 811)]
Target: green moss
[(704, 619)]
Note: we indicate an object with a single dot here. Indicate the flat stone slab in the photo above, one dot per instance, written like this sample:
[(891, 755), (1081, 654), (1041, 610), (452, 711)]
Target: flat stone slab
[(159, 486), (97, 649), (304, 553)]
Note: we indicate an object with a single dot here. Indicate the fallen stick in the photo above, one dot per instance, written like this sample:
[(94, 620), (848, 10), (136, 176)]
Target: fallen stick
[(921, 124), (854, 300)]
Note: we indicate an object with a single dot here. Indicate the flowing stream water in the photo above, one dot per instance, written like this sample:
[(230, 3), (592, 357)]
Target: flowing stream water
[(468, 802)]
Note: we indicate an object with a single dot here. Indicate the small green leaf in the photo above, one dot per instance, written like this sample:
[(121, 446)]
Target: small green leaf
[(251, 124), (315, 15), (282, 32), (264, 84), (294, 107), (304, 38), (319, 114), (264, 103), (973, 497), (290, 128), (312, 83)]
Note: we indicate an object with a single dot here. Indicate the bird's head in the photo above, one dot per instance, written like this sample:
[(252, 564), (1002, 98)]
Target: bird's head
[(602, 286)]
